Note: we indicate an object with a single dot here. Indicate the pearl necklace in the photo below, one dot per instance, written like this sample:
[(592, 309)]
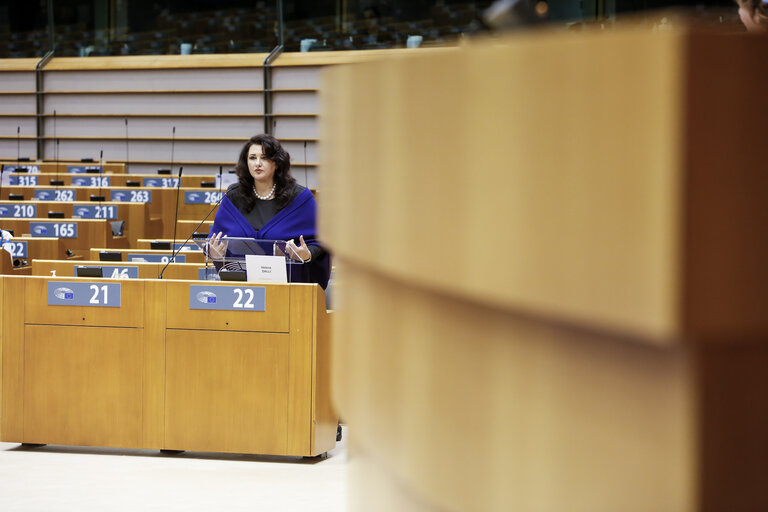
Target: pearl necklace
[(267, 197)]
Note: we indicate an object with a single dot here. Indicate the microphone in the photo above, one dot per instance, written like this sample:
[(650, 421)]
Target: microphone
[(174, 253), (56, 160), (306, 179), (2, 170), (176, 217), (173, 143), (18, 145), (101, 174), (221, 180), (126, 145), (56, 149)]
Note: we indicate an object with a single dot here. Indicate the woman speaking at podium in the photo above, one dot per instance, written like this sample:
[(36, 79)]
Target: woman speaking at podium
[(266, 203)]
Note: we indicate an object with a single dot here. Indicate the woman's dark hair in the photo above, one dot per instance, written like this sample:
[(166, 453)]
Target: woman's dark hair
[(283, 180)]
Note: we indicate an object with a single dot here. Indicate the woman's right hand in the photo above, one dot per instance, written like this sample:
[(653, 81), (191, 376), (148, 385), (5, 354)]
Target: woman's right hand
[(217, 247)]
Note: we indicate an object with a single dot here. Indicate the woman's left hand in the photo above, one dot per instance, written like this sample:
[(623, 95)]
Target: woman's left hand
[(298, 252)]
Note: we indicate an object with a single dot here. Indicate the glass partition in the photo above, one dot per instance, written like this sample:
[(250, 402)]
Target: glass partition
[(156, 27)]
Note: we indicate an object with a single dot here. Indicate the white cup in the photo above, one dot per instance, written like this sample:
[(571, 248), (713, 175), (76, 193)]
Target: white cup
[(413, 41), (186, 48), (306, 44)]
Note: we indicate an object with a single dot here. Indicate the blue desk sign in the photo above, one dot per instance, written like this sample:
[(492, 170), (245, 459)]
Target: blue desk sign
[(116, 271), (58, 194), (23, 180), (233, 298), (208, 274), (156, 258), (67, 293), (14, 168), (161, 182), (90, 181), (201, 197), (17, 249), (54, 229), (19, 211), (80, 169), (131, 196), (188, 247), (95, 211)]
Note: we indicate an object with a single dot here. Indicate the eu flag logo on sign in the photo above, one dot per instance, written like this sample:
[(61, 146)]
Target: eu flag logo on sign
[(69, 296), (211, 300)]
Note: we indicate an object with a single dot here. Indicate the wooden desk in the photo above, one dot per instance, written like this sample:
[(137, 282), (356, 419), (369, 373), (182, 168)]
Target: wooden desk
[(90, 233), (61, 167), (8, 268), (161, 208), (136, 215), (44, 247), (153, 373), (114, 180), (189, 256), (64, 268)]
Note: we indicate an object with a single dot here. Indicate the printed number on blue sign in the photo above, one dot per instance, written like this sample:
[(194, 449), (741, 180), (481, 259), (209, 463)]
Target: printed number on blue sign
[(64, 195), (23, 210), (64, 230), (96, 292), (104, 212), (248, 304), (24, 181), (118, 273), (15, 248), (212, 197), (139, 196)]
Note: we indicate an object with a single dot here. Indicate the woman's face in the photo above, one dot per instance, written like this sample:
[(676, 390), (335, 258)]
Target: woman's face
[(262, 169)]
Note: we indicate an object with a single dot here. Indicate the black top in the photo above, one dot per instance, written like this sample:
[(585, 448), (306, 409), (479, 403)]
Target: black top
[(263, 212)]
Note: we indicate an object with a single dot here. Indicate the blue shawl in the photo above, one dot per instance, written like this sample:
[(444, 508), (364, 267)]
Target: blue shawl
[(298, 218)]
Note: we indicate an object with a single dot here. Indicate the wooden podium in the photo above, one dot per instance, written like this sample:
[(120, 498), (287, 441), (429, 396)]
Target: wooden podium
[(562, 301), (154, 373)]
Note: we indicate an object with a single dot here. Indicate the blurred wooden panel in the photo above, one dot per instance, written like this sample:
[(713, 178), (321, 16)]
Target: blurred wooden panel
[(477, 408), (530, 188), (551, 257)]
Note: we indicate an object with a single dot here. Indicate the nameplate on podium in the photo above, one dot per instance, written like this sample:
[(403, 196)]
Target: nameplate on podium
[(17, 249), (233, 298), (96, 211), (80, 169), (161, 182), (58, 194), (131, 196), (70, 293), (116, 271), (90, 181), (18, 211), (210, 197), (156, 258), (23, 181), (54, 229)]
